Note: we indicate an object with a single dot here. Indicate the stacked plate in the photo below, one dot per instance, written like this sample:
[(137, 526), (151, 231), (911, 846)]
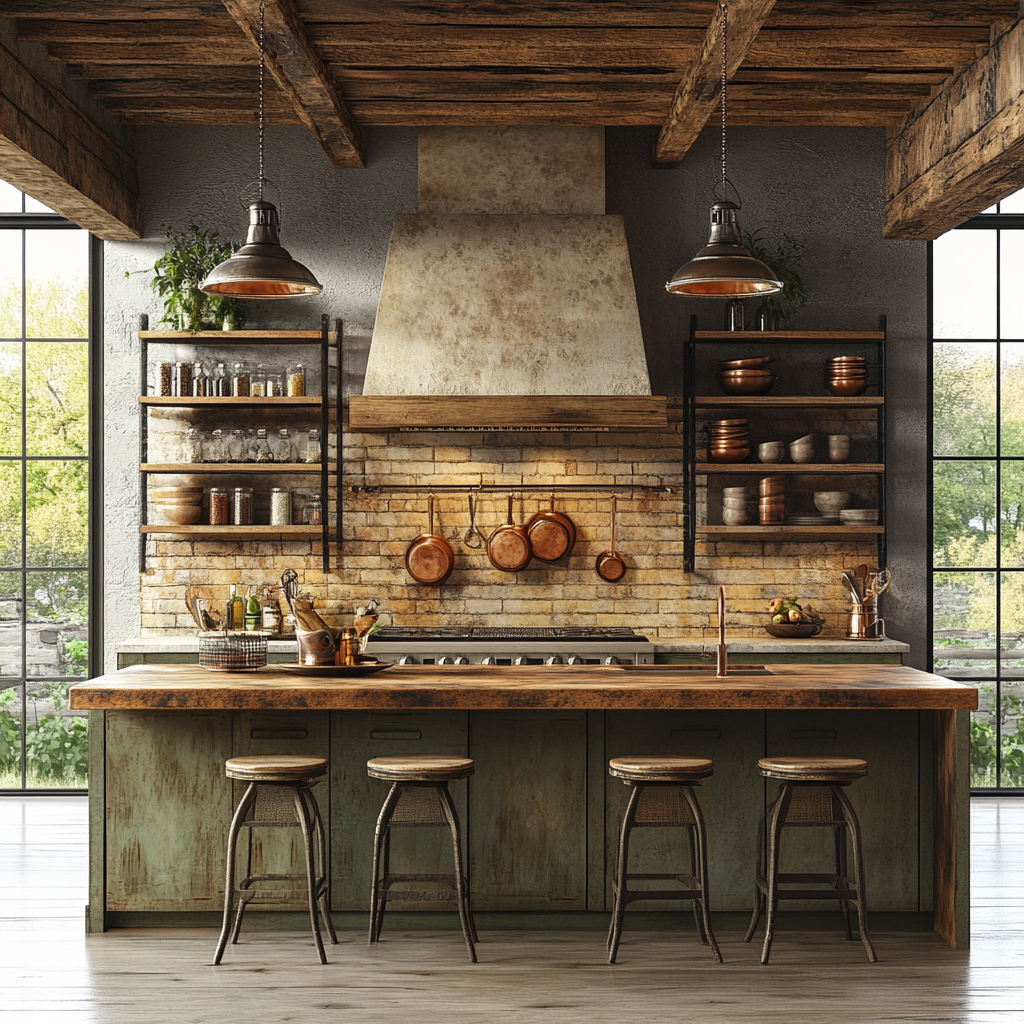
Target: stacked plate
[(730, 440), (812, 520), (746, 376), (847, 376), (859, 516)]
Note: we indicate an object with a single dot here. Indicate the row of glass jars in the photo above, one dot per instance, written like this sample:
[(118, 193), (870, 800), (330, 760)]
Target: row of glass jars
[(251, 445), (233, 507), (193, 380)]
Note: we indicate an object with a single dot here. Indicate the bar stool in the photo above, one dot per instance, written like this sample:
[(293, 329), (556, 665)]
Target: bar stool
[(663, 797), (419, 798), (810, 796), (279, 796)]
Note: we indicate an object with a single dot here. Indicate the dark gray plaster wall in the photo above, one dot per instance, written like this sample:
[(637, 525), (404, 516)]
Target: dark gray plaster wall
[(825, 186)]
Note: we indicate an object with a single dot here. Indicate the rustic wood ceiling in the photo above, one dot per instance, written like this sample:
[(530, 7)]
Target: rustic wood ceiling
[(515, 62)]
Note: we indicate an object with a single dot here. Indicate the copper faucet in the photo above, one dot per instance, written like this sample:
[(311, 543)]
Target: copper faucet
[(722, 668)]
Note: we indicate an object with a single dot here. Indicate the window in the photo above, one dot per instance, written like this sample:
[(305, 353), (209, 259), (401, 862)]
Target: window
[(45, 470), (977, 331)]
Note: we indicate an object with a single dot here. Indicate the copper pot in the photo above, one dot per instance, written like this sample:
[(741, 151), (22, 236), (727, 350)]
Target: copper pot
[(610, 565), (429, 558), (508, 548), (843, 388), (551, 534)]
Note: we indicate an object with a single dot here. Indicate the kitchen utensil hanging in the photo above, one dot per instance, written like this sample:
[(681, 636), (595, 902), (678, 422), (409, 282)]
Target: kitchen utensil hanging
[(551, 534), (610, 565), (474, 538), (429, 558), (508, 548)]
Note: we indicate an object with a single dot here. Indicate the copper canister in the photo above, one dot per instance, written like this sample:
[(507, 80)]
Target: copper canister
[(346, 648)]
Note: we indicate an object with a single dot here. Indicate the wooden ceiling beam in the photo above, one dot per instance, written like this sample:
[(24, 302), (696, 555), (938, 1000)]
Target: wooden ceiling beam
[(213, 30), (111, 10), (301, 75), (50, 149), (697, 94), (962, 150)]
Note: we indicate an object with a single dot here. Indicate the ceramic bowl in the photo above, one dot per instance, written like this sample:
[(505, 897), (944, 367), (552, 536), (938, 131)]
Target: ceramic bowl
[(736, 492), (178, 493), (801, 452), (737, 502), (736, 516), (794, 630), (771, 451), (830, 503), (843, 388), (176, 515)]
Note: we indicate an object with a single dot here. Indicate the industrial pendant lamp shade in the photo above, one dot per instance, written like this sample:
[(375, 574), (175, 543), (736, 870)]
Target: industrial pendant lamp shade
[(262, 268), (724, 269)]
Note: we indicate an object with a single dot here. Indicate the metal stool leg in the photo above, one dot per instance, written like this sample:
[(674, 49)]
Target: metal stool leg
[(839, 834), (691, 837), (385, 882), (774, 829), (619, 905), (302, 813), (702, 865), (853, 824), (379, 834), (760, 873), (230, 898), (461, 889), (323, 888)]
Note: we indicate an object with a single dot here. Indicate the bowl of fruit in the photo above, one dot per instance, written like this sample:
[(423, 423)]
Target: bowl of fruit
[(792, 620)]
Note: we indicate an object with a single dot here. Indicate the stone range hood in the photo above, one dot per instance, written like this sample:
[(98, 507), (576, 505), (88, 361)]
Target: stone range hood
[(508, 300)]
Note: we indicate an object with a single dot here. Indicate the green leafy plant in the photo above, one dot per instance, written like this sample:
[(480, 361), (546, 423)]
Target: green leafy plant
[(783, 259), (180, 271)]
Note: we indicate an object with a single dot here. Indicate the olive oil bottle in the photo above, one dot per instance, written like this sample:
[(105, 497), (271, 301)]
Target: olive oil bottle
[(236, 609), (253, 611)]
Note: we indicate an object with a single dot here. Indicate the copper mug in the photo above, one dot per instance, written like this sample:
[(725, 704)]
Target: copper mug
[(865, 623), (346, 648)]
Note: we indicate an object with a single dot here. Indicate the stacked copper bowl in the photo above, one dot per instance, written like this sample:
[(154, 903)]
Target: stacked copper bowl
[(771, 505), (746, 376), (730, 440), (847, 376)]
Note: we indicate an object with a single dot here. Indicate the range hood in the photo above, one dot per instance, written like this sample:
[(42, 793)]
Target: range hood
[(507, 301)]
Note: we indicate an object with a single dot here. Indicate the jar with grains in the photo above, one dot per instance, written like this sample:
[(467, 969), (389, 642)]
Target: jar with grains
[(261, 448), (296, 378), (275, 385), (243, 506), (311, 453), (282, 447), (192, 446), (200, 381), (220, 382), (258, 382), (164, 379), (183, 379), (240, 381), (313, 513), (213, 449), (219, 506), (280, 506), (235, 446)]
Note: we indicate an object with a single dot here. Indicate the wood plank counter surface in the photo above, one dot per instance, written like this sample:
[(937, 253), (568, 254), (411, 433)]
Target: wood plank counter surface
[(604, 687)]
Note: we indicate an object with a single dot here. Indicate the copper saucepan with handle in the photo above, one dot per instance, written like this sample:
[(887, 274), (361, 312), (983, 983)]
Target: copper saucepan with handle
[(429, 558), (551, 534), (610, 565), (508, 547)]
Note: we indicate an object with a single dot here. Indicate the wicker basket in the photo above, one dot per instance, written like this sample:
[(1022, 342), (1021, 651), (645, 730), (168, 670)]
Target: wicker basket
[(232, 652)]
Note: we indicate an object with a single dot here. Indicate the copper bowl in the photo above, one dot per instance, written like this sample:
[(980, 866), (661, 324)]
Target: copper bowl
[(748, 372), (745, 385), (746, 364), (773, 501), (772, 491), (729, 454), (848, 359), (846, 388)]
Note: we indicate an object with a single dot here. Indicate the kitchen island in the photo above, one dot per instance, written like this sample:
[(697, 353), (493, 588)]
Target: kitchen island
[(541, 813)]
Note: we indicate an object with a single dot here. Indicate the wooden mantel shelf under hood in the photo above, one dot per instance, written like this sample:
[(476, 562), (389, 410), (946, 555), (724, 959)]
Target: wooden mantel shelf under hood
[(376, 413)]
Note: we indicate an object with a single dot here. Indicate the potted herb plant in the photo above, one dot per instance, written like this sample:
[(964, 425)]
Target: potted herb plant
[(191, 255), (783, 260)]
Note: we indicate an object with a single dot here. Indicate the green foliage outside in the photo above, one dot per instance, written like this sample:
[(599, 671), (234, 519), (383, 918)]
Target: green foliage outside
[(57, 747)]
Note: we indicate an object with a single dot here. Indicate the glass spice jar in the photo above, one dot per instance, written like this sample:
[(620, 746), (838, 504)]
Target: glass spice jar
[(235, 446), (312, 450), (313, 513), (296, 377), (282, 446), (258, 383), (275, 385), (213, 449), (164, 379), (220, 383), (240, 381), (219, 506), (243, 506), (200, 380), (280, 507), (183, 379), (261, 448), (192, 446)]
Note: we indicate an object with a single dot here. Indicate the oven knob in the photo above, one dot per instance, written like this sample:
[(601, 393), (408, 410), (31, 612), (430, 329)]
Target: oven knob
[(460, 660), (445, 660), (574, 659), (520, 660), (553, 659), (406, 659), (611, 660), (488, 661)]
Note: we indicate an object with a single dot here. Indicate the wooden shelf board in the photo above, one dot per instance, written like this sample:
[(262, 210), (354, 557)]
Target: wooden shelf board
[(191, 468), (171, 401), (769, 468), (239, 337), (789, 401), (788, 532), (235, 532), (768, 337)]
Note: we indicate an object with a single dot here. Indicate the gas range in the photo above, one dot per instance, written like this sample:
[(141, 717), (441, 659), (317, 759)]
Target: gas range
[(510, 645)]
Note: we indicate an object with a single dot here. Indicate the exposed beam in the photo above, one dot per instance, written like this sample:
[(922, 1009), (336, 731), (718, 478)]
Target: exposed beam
[(696, 95), (962, 150), (53, 151), (301, 74)]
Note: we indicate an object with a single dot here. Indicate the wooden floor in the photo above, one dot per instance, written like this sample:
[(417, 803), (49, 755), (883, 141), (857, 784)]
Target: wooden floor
[(50, 971)]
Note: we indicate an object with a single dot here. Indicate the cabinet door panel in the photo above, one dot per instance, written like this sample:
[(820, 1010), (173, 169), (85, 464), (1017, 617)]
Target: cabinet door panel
[(168, 805), (356, 799), (886, 800), (528, 810), (730, 800)]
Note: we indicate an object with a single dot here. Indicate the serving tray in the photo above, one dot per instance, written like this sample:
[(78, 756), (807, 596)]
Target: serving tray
[(366, 668)]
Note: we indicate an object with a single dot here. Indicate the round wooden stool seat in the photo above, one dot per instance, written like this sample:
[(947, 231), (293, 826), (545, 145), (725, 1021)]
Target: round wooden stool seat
[(661, 768), (275, 768), (420, 768), (813, 769)]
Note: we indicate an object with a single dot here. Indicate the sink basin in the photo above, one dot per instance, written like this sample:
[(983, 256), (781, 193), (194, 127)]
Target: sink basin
[(734, 670)]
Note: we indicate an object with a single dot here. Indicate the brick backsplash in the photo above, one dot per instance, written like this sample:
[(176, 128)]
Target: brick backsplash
[(380, 520)]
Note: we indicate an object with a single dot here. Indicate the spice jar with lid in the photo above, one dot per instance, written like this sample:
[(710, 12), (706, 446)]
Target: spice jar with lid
[(313, 513), (260, 451), (312, 449), (240, 381), (165, 379), (280, 506), (219, 506), (258, 382), (275, 385), (183, 378), (243, 506), (235, 446), (213, 449), (220, 383), (281, 446), (296, 380), (200, 380), (192, 446)]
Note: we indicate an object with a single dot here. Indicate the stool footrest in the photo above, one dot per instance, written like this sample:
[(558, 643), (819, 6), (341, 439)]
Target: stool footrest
[(632, 895)]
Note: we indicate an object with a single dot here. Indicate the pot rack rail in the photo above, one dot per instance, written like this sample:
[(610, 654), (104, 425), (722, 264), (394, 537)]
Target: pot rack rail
[(505, 488)]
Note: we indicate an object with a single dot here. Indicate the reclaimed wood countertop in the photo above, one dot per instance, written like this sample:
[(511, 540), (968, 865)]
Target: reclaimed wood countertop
[(596, 687)]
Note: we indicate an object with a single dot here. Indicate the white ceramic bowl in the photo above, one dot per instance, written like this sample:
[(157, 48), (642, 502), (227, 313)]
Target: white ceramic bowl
[(828, 503)]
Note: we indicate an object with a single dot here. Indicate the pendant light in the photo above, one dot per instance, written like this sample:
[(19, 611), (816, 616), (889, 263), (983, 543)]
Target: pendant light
[(262, 268), (724, 269)]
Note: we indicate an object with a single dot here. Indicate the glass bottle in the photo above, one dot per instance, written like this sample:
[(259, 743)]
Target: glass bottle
[(220, 383), (313, 513), (240, 381), (213, 450), (734, 315), (249, 445), (282, 446), (261, 449), (200, 380), (165, 379), (235, 446), (258, 383), (219, 506), (253, 611), (183, 378), (243, 506), (236, 609), (296, 377), (275, 385), (192, 446), (312, 450), (280, 507), (270, 612)]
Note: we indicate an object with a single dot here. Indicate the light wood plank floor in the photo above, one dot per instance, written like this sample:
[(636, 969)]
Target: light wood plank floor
[(50, 971)]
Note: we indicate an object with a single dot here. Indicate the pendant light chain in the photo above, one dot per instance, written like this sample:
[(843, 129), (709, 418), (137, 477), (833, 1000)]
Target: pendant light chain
[(724, 7), (262, 61)]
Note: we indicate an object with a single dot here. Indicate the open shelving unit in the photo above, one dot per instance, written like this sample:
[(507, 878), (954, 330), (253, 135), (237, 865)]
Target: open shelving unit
[(322, 403), (694, 402)]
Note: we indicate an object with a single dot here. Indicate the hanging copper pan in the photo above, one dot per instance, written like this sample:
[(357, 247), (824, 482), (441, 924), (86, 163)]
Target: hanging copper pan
[(429, 558), (610, 565), (508, 547), (551, 534)]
